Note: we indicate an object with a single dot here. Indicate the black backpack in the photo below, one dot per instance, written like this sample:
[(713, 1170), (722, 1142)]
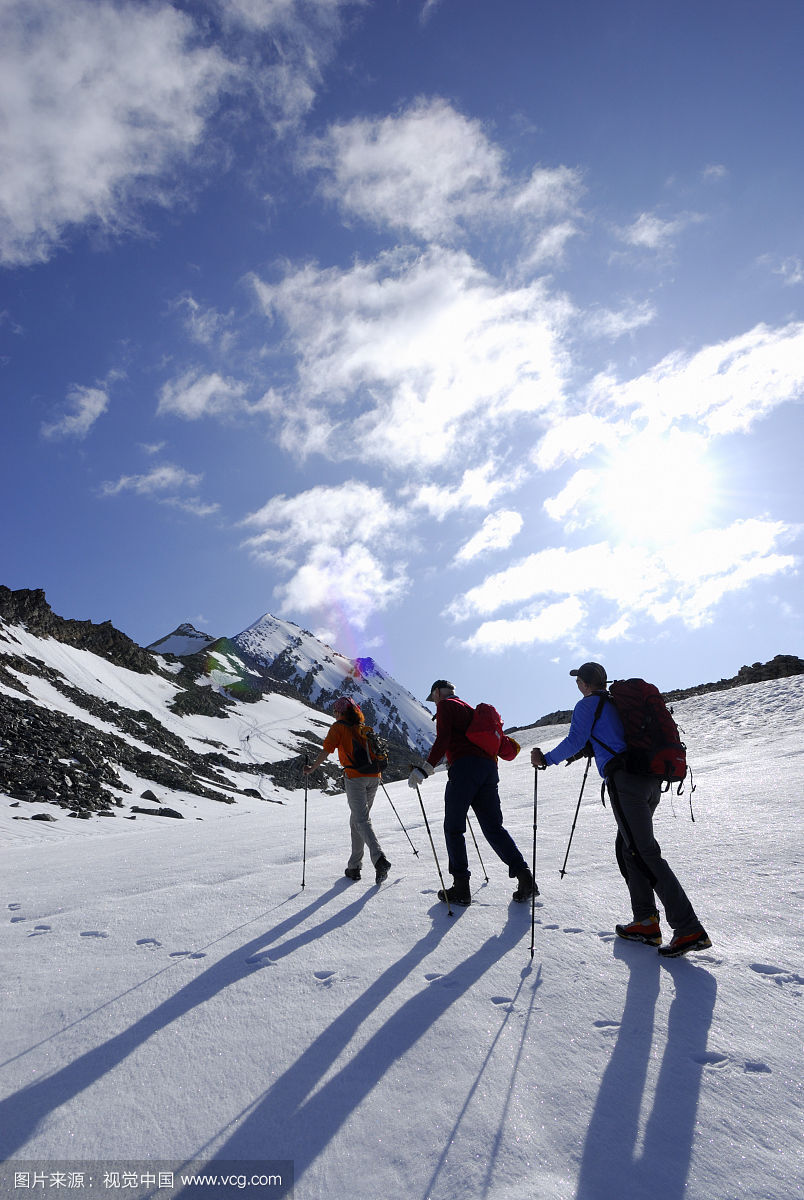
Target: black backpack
[(369, 750)]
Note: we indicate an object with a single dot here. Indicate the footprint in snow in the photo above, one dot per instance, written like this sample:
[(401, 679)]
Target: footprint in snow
[(39, 929), (152, 942), (14, 907), (711, 1059), (572, 929), (94, 933), (779, 976), (263, 959), (436, 978), (16, 920), (607, 1026), (504, 1002), (182, 953), (758, 1068), (325, 978), (606, 935), (551, 927)]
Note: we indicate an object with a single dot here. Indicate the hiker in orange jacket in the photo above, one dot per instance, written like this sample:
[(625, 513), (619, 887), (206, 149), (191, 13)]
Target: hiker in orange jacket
[(360, 788)]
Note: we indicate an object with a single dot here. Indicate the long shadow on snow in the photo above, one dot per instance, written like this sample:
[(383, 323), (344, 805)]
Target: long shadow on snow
[(284, 1124), (608, 1163), (21, 1113)]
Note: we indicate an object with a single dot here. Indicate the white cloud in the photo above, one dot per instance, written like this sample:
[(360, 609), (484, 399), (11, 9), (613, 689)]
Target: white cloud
[(575, 437), (612, 324), (195, 395), (332, 540), (87, 404), (650, 232), (479, 487), (791, 269), (725, 388), (406, 358), (206, 325), (166, 477), (167, 484), (283, 46), (104, 102), (573, 497), (100, 102), (352, 579), (496, 533), (382, 170), (686, 581), (323, 515), (553, 622)]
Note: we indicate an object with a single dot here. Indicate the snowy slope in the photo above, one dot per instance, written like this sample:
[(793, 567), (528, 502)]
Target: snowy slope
[(86, 688), (172, 995)]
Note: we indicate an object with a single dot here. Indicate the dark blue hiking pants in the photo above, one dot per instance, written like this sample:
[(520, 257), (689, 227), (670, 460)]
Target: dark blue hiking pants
[(473, 784)]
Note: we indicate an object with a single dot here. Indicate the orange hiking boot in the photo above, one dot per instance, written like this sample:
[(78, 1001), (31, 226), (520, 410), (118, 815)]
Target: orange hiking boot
[(646, 931), (678, 945)]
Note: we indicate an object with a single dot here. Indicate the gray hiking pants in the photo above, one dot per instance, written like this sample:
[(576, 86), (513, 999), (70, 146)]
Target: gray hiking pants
[(360, 793), (634, 799)]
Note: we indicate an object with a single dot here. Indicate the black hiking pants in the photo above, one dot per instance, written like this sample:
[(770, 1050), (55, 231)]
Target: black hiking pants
[(473, 784), (634, 799)]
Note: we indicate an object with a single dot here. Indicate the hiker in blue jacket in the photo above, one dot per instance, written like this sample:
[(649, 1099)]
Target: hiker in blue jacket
[(596, 728)]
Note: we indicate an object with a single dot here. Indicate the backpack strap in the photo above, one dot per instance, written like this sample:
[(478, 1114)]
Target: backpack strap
[(603, 698), (617, 756)]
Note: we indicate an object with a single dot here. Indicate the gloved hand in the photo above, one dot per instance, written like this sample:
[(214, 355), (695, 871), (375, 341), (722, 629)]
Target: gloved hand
[(537, 759), (419, 774)]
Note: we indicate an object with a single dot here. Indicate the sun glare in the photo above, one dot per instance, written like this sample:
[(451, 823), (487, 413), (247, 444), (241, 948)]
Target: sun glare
[(657, 488)]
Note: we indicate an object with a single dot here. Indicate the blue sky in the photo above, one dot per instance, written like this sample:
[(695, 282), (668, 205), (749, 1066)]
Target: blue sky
[(468, 336)]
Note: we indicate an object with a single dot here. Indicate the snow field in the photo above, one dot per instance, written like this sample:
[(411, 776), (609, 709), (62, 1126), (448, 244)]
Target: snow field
[(173, 994)]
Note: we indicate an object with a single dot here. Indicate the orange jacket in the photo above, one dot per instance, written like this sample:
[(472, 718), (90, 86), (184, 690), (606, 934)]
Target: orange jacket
[(340, 737)]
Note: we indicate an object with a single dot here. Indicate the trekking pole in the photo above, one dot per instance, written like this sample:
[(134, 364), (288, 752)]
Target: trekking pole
[(399, 819), (435, 856), (563, 870), (533, 862), (304, 844), (474, 839)]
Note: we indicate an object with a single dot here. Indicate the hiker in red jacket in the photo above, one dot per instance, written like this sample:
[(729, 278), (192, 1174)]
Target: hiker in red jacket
[(472, 784)]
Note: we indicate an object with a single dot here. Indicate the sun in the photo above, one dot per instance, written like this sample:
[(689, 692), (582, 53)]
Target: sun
[(657, 488)]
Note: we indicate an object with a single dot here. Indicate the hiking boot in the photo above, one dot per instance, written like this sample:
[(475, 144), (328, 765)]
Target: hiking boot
[(381, 867), (527, 886), (352, 873), (458, 894), (646, 931), (683, 943)]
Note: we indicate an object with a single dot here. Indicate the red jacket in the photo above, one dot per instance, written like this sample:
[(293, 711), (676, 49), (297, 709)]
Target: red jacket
[(452, 720)]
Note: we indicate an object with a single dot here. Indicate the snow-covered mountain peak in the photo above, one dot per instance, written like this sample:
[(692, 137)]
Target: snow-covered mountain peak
[(183, 641), (317, 673)]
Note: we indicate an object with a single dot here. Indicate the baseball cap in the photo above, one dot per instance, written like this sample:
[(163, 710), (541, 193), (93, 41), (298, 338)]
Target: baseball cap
[(592, 674), (439, 683)]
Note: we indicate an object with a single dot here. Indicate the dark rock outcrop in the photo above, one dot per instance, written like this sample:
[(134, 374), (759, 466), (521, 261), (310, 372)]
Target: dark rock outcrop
[(29, 607)]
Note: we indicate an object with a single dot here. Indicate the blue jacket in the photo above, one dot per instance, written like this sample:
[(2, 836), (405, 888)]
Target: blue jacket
[(608, 727)]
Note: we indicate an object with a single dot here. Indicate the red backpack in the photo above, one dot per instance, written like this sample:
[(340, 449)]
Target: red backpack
[(486, 731), (653, 742)]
